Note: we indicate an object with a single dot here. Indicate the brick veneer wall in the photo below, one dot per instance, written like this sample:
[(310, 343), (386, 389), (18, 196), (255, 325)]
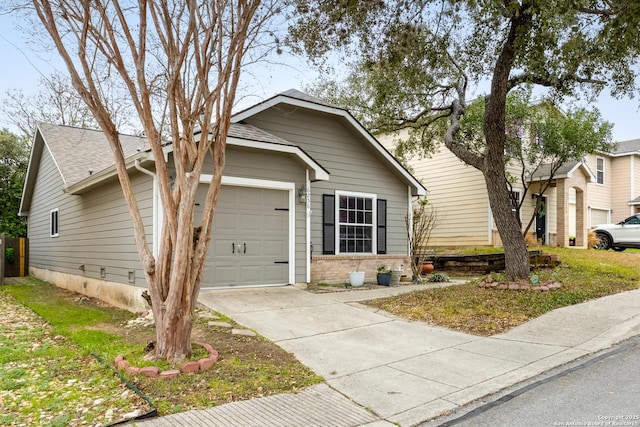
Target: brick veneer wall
[(336, 268)]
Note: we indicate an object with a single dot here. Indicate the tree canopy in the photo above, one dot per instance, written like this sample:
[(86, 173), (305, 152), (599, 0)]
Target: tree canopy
[(57, 102), (418, 64), (14, 154)]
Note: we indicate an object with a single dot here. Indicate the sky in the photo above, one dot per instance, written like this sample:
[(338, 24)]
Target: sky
[(23, 64)]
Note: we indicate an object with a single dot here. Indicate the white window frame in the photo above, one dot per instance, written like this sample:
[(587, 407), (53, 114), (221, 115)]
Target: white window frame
[(54, 222), (598, 158), (374, 225)]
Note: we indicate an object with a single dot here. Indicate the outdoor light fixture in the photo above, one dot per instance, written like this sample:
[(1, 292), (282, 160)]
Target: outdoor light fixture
[(303, 193)]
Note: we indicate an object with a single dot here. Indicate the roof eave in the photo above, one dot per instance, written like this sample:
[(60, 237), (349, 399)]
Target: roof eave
[(318, 173), (90, 181), (32, 171)]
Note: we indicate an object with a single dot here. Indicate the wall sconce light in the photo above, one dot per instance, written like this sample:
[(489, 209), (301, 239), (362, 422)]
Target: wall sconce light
[(303, 194)]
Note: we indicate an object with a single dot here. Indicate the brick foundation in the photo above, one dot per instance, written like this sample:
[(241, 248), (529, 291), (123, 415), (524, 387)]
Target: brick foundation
[(336, 268)]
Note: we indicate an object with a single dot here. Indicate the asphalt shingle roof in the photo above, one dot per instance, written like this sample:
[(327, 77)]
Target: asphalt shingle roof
[(77, 150), (252, 133), (630, 146), (545, 170)]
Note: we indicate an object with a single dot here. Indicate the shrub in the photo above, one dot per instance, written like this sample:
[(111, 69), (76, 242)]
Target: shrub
[(438, 277)]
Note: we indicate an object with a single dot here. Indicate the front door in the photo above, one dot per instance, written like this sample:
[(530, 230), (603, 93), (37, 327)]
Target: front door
[(541, 221), (250, 242)]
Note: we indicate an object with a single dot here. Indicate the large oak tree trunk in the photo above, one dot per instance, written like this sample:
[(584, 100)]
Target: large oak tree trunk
[(515, 249)]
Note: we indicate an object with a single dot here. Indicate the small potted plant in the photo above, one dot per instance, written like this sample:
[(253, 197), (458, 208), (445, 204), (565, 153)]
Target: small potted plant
[(427, 267), (384, 275), (572, 240)]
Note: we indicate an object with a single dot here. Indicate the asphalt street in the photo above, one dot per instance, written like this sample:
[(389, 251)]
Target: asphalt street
[(599, 390)]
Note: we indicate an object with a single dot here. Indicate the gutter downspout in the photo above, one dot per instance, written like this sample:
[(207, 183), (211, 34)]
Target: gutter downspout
[(157, 215)]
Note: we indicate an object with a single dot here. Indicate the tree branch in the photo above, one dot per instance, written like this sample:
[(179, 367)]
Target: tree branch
[(556, 82)]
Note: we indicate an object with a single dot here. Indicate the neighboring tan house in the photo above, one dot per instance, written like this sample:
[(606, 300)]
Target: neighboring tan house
[(308, 195), (603, 188)]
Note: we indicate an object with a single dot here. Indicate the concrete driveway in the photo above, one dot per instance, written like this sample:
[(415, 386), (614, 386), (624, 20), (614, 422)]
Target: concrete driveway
[(407, 372)]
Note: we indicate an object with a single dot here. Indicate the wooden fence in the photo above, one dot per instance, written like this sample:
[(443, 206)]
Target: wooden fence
[(14, 254)]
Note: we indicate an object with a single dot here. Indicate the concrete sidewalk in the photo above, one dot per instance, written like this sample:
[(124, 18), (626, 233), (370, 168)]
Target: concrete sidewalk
[(403, 372)]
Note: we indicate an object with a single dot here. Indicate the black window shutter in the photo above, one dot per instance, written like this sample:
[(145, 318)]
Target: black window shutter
[(382, 226), (328, 224)]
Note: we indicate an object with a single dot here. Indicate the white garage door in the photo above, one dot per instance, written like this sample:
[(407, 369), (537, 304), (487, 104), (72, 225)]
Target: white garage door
[(599, 216), (250, 242)]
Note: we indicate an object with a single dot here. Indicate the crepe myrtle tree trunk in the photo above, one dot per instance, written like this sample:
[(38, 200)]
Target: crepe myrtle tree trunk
[(177, 291), (201, 48)]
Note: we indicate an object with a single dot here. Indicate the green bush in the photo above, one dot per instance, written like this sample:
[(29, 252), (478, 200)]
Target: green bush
[(438, 277), (9, 255)]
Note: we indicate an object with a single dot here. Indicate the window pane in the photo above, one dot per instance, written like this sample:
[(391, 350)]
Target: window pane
[(368, 204), (368, 218), (356, 220)]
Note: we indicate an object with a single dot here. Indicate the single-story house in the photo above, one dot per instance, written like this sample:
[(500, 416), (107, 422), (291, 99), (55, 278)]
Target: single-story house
[(308, 195)]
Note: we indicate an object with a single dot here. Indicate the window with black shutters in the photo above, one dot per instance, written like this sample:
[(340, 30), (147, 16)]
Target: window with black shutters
[(354, 223)]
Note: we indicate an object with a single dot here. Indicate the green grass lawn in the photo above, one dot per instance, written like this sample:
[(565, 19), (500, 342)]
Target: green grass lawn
[(50, 377), (584, 274)]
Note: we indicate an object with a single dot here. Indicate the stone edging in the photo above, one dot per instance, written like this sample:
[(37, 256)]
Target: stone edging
[(186, 368), (546, 286)]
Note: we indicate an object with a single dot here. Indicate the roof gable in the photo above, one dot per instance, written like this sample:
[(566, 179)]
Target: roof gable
[(566, 170), (79, 152), (299, 99)]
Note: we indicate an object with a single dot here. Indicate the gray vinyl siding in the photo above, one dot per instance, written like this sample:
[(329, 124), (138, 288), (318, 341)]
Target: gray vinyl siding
[(352, 163), (95, 228)]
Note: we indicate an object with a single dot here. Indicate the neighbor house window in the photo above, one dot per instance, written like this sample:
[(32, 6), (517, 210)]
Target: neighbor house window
[(53, 223), (599, 170), (354, 223), (514, 196)]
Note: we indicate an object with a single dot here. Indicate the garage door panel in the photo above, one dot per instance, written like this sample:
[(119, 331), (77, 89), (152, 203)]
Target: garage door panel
[(274, 273), (225, 222), (251, 274), (276, 223), (274, 248), (223, 248), (599, 216), (220, 275), (249, 196), (254, 217), (252, 222)]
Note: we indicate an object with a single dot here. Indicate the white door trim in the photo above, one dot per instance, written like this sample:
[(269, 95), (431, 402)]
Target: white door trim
[(270, 185)]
